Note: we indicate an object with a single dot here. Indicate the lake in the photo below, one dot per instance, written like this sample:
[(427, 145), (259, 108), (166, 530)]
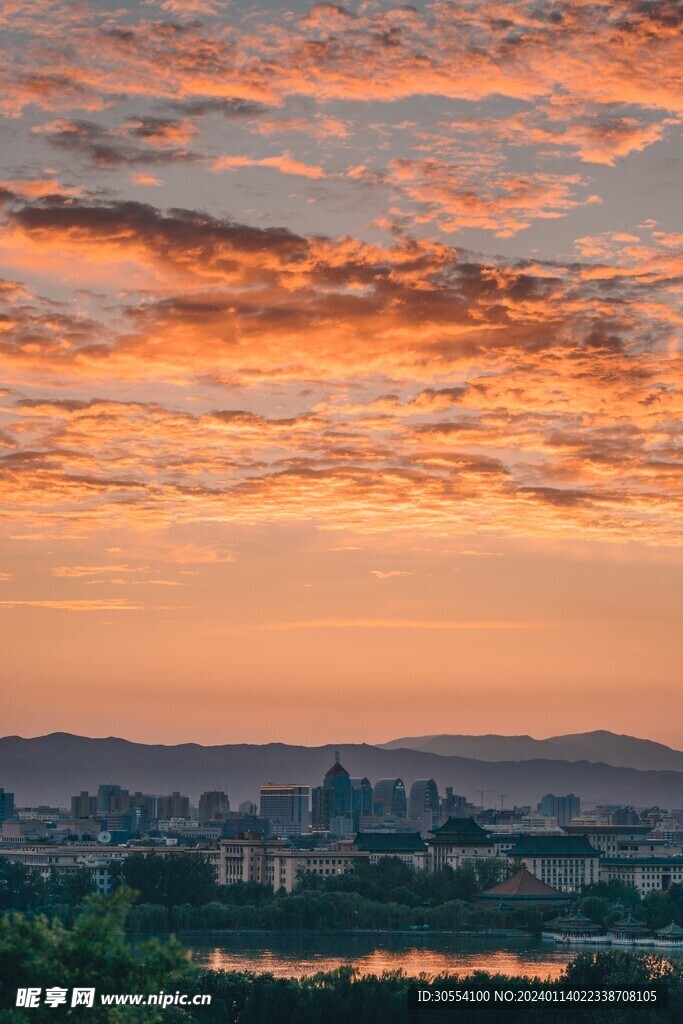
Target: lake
[(304, 954)]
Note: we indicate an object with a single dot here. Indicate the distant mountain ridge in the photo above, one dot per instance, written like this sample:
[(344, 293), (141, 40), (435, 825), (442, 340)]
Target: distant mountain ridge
[(598, 746), (50, 769)]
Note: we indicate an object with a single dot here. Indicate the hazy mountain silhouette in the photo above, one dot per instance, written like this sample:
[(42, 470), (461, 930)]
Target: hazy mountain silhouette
[(49, 769), (598, 746)]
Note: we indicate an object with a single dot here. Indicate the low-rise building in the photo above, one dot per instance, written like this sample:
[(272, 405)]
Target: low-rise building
[(646, 874), (611, 840), (252, 858), (408, 847), (565, 862), (97, 859), (522, 890), (456, 841)]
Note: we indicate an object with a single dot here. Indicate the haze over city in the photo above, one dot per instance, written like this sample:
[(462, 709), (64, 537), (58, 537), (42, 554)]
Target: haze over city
[(340, 370)]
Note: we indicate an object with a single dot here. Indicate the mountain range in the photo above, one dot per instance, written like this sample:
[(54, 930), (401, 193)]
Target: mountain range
[(49, 769), (598, 746)]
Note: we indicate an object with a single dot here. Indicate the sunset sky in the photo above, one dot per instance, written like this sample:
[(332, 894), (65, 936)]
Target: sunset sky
[(340, 369)]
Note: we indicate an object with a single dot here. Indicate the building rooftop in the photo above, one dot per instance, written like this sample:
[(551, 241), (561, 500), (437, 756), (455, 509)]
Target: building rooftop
[(383, 842), (553, 846), (606, 830), (672, 930), (462, 830), (641, 861), (523, 886)]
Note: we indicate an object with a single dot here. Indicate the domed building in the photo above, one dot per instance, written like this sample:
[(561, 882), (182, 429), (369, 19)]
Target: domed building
[(334, 799)]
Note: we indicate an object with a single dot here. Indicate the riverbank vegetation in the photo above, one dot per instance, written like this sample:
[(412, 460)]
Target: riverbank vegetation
[(180, 893), (38, 953)]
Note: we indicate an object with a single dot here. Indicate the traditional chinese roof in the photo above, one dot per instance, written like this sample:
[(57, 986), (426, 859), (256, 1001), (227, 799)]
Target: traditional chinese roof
[(386, 842), (553, 846), (523, 887), (629, 924), (556, 922), (672, 930), (461, 831)]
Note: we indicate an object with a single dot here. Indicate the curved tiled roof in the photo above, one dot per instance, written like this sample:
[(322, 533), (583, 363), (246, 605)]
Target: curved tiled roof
[(553, 846), (524, 885), (461, 831), (385, 842)]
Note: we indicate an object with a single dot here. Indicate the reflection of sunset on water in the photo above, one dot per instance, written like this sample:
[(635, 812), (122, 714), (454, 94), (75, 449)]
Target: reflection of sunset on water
[(414, 962)]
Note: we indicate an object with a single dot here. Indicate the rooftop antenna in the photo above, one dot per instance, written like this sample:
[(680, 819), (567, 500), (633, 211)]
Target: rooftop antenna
[(336, 755)]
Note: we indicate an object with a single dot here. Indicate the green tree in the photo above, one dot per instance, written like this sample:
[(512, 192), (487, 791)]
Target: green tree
[(169, 879), (20, 888), (94, 953)]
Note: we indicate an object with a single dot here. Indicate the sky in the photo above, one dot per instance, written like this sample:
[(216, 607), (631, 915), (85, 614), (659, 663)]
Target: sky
[(340, 369)]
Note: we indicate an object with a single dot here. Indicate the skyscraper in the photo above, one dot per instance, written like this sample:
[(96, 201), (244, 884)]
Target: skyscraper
[(173, 806), (6, 805), (83, 805), (564, 808), (286, 807), (424, 799), (105, 794), (334, 799), (389, 799), (213, 805)]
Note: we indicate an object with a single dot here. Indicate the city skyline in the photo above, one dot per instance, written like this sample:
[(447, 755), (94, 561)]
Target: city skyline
[(340, 363)]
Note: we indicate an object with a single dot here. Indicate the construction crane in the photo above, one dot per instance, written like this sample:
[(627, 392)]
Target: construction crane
[(502, 800), (482, 794)]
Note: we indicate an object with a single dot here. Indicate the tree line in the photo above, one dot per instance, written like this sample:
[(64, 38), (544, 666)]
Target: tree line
[(179, 892), (95, 952)]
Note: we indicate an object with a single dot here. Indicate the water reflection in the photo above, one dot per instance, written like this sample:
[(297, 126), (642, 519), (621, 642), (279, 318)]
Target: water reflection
[(300, 956)]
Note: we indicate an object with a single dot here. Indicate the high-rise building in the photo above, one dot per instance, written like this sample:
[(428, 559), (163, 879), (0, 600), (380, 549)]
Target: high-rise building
[(389, 799), (83, 805), (334, 798), (213, 805), (6, 805), (173, 806), (247, 807), (454, 806), (361, 800), (564, 808), (105, 794), (424, 800), (286, 807)]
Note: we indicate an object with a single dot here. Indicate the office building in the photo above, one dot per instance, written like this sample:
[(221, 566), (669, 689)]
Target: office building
[(334, 799), (564, 808), (565, 862), (173, 806), (6, 805), (213, 805), (361, 800), (286, 807), (251, 858), (105, 795), (424, 800), (83, 805), (389, 799)]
